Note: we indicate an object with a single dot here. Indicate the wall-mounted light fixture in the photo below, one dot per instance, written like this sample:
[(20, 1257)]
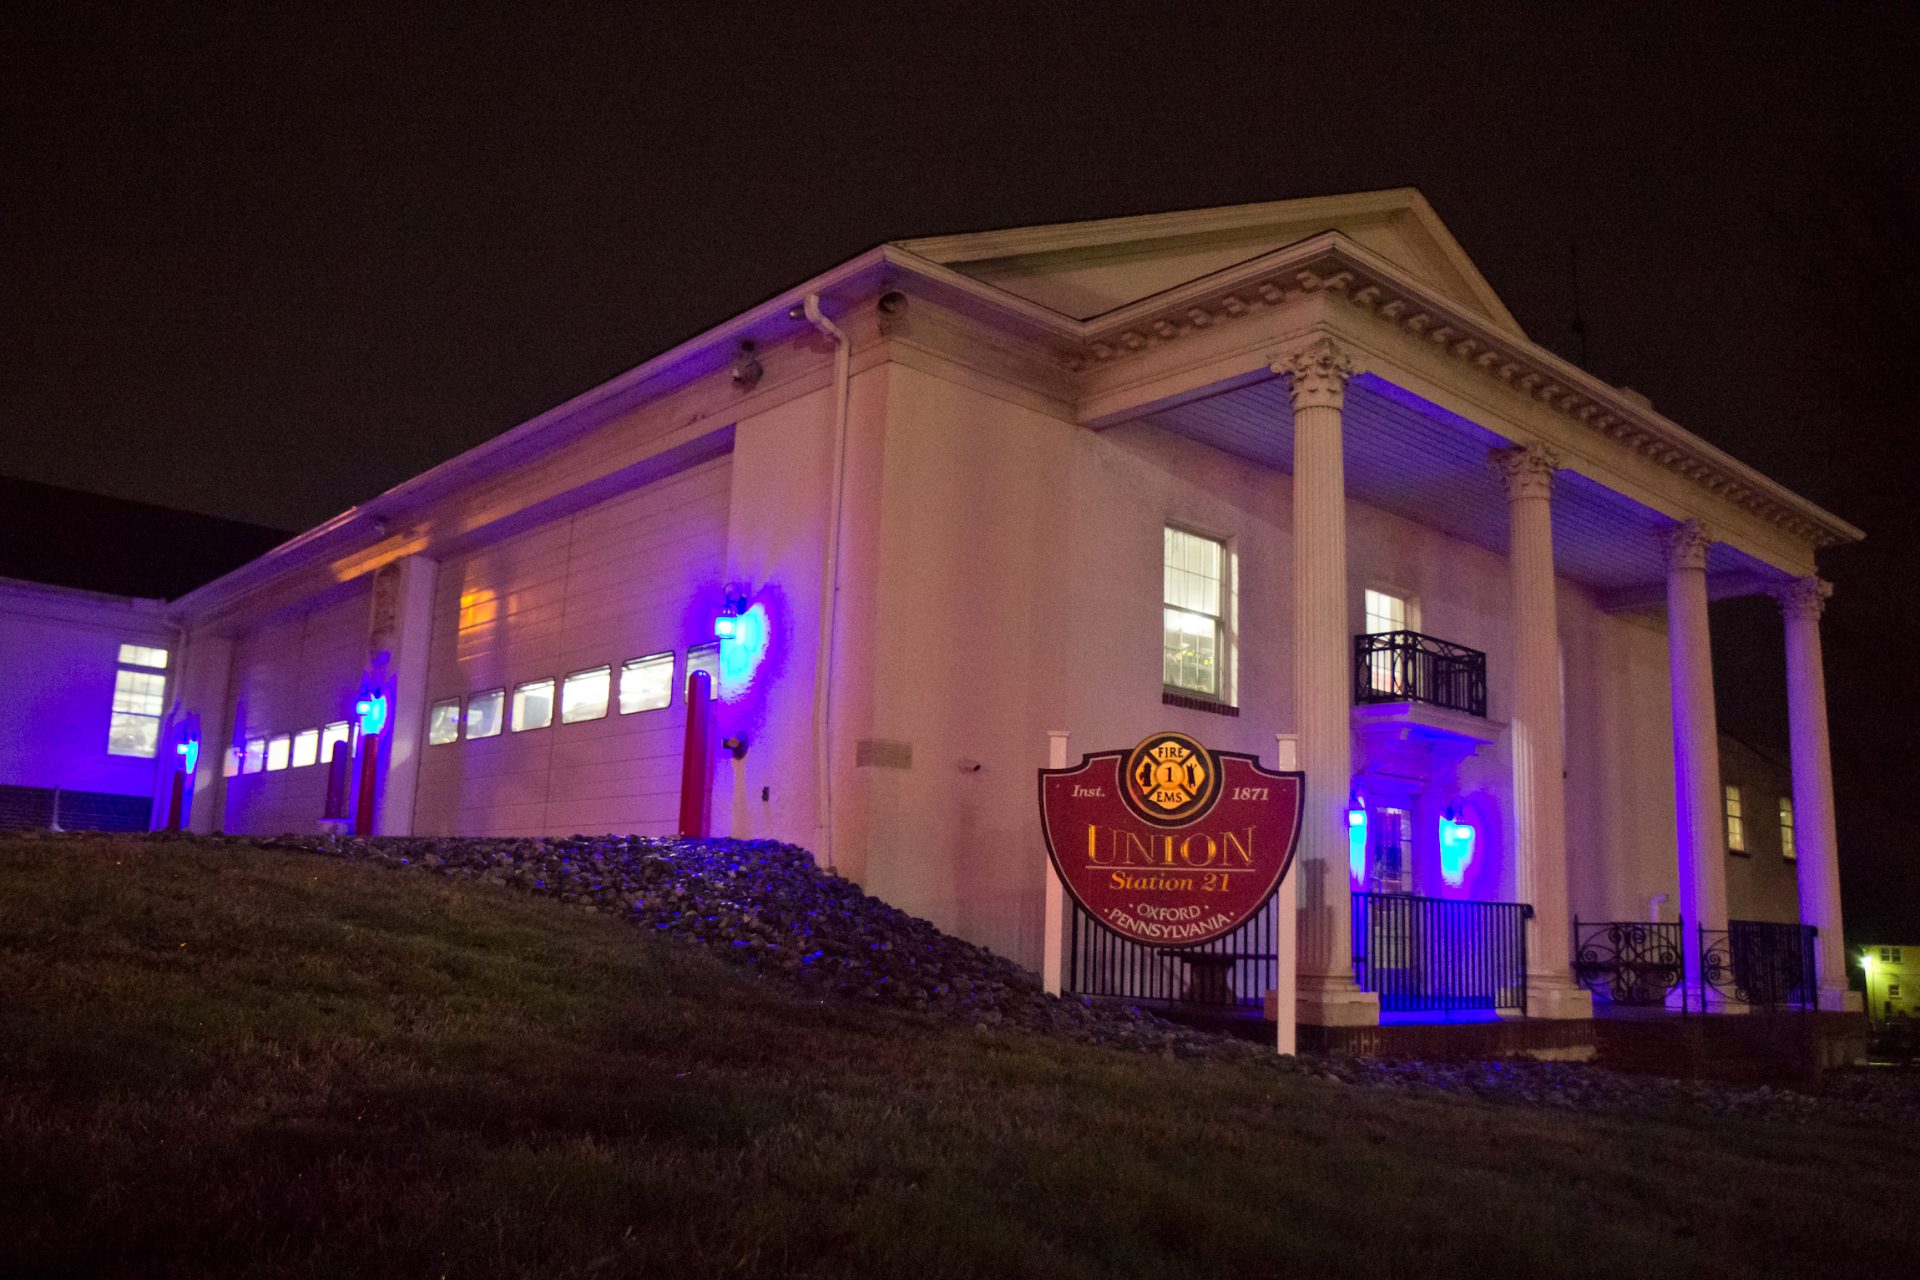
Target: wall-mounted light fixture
[(1356, 837), (372, 710), (726, 625)]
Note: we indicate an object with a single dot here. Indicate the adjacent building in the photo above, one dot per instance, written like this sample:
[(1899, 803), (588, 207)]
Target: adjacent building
[(1279, 471)]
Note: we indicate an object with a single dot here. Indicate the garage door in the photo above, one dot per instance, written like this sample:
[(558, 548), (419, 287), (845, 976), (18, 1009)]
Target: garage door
[(295, 681), (616, 596)]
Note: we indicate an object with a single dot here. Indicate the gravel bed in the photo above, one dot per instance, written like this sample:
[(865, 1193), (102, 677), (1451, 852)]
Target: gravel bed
[(765, 905)]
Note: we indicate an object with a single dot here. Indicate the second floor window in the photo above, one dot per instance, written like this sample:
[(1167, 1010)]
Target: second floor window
[(1193, 599), (1786, 828), (1736, 822)]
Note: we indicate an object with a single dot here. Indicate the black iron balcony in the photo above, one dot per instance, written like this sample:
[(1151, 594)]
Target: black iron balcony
[(1405, 666)]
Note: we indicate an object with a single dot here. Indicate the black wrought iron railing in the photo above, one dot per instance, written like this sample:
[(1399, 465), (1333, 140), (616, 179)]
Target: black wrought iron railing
[(1232, 972), (1631, 962), (1440, 955), (1405, 666), (1761, 963)]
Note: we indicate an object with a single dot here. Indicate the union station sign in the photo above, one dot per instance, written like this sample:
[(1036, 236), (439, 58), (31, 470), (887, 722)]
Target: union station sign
[(1170, 844)]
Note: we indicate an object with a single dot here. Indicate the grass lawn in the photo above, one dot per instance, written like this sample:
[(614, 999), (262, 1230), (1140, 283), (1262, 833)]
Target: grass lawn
[(228, 1061)]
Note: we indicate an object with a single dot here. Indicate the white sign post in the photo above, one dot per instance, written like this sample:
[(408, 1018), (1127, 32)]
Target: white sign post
[(1053, 951), (1286, 919)]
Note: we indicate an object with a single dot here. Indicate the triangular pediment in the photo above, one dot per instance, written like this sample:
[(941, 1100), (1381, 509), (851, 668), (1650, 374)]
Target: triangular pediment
[(1086, 269)]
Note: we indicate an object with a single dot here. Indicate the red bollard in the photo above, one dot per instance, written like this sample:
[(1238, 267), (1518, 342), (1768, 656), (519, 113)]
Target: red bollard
[(694, 797), (177, 805), (369, 774)]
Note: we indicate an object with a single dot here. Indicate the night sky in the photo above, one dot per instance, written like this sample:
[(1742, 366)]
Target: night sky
[(263, 265)]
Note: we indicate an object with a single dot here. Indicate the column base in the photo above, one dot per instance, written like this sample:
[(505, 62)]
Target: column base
[(1335, 1001), (1841, 1000), (1553, 996)]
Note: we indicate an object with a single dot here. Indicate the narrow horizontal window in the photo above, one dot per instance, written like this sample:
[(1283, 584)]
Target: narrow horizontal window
[(140, 655), (337, 733), (443, 722), (279, 751), (483, 713), (306, 748), (646, 684), (584, 695), (256, 757), (705, 658), (532, 705)]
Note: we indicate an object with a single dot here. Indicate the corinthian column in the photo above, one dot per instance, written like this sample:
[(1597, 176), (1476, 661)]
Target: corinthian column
[(1816, 847), (1697, 801), (1539, 787), (1322, 680)]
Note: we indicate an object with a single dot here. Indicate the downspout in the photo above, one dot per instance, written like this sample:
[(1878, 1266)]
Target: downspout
[(829, 582)]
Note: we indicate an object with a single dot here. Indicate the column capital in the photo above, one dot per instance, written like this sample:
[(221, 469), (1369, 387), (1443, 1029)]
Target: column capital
[(1529, 470), (1803, 598), (1686, 545), (1320, 372)]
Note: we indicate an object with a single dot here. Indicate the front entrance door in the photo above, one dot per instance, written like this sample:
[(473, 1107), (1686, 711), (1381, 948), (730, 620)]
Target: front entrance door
[(1390, 851)]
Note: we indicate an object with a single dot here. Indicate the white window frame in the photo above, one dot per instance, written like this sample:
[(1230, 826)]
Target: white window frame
[(603, 675), (630, 673), (138, 665), (433, 713), (1224, 637), (519, 721), (498, 698)]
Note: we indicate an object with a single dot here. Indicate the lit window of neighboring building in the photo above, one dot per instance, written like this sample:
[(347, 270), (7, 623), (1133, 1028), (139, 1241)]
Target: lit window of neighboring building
[(338, 731), (279, 751), (139, 695), (532, 705), (1736, 822), (1786, 828), (255, 758), (646, 684), (585, 694), (483, 713), (1193, 594), (705, 658), (443, 722)]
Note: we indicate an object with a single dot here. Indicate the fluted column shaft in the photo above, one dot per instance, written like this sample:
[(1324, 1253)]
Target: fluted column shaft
[(1815, 840), (1539, 786), (1697, 800), (1322, 681)]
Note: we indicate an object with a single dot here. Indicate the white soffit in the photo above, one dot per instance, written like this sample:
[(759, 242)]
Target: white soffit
[(1086, 269), (1432, 468)]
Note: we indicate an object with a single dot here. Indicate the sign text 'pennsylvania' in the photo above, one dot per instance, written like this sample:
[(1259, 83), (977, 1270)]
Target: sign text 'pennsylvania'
[(1170, 844)]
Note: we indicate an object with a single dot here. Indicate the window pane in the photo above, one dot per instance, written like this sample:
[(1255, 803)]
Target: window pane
[(1191, 653), (230, 763), (1786, 828), (140, 655), (705, 658), (131, 735), (333, 733), (279, 747), (483, 713), (532, 705), (443, 722), (256, 756), (139, 692), (1736, 822), (646, 684), (306, 747), (1385, 612), (584, 695), (1191, 572)]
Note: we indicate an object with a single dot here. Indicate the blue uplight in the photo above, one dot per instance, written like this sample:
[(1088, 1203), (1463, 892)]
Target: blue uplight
[(1456, 849), (372, 711), (1357, 839)]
